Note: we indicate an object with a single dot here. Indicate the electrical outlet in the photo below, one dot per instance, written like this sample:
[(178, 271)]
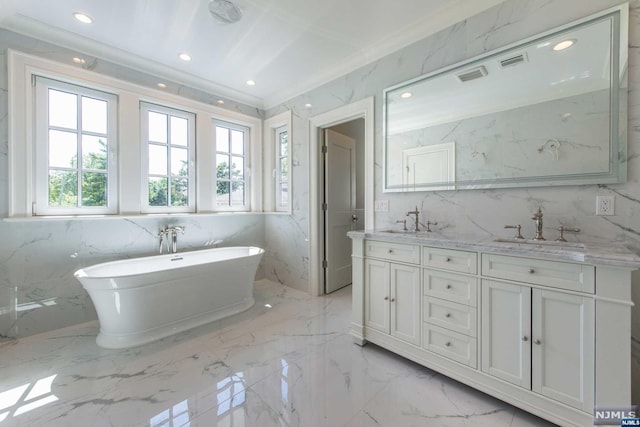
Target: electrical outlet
[(605, 205), (382, 206)]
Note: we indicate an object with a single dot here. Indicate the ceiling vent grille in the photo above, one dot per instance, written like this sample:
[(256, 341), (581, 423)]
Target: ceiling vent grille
[(472, 74), (513, 60)]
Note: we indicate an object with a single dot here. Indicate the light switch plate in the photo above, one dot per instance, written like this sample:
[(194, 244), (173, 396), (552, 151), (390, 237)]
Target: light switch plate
[(382, 206)]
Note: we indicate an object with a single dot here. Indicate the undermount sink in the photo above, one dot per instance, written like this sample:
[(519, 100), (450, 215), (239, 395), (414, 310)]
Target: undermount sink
[(551, 243)]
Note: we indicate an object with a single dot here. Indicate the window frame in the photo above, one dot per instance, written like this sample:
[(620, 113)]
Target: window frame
[(145, 108), (277, 171), (270, 191), (41, 144), (247, 164), (21, 145)]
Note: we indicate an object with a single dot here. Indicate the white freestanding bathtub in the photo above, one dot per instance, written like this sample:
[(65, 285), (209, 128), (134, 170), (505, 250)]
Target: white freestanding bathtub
[(144, 299)]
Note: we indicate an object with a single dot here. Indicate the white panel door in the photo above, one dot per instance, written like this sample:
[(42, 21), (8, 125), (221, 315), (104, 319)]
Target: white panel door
[(340, 197), (376, 295), (506, 328), (563, 347), (405, 303)]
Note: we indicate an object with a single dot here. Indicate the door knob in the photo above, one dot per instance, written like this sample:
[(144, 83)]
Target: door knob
[(354, 218)]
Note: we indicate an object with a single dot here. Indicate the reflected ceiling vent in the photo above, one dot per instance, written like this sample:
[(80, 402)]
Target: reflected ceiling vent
[(472, 74), (514, 60), (225, 11)]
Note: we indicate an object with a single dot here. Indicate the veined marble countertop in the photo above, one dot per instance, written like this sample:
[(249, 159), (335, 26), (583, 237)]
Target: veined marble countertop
[(598, 253)]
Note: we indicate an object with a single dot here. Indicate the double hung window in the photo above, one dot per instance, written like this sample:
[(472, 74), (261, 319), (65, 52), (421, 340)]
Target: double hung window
[(76, 156), (168, 159), (281, 171), (232, 168)]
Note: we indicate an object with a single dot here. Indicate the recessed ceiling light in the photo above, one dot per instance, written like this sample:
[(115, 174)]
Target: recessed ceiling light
[(564, 44), (406, 95), (83, 17), (308, 105), (220, 101), (251, 82), (185, 56), (79, 60), (162, 85)]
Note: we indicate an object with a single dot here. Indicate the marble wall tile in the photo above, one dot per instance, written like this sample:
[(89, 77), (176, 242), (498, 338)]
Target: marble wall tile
[(38, 259)]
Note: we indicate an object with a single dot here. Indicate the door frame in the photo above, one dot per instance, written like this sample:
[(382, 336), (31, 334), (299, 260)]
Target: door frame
[(363, 109)]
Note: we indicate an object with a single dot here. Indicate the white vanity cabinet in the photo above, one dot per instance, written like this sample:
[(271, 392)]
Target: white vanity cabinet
[(392, 291), (519, 324), (540, 340), (449, 304)]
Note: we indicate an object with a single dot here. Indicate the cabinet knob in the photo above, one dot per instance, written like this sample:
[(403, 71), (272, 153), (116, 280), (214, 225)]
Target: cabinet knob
[(448, 286), (390, 251), (393, 300), (531, 271), (447, 315), (448, 344), (538, 342), (525, 338), (448, 259), (386, 298)]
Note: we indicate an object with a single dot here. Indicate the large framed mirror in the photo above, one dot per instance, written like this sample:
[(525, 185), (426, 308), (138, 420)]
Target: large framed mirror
[(549, 110)]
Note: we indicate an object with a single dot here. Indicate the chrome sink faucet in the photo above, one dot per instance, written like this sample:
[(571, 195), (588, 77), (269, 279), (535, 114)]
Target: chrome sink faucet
[(173, 231), (537, 218), (415, 212)]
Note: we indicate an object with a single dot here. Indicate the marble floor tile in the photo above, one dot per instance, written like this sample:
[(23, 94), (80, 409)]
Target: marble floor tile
[(287, 361)]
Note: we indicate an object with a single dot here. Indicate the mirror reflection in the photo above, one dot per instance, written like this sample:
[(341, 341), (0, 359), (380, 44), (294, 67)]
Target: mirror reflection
[(542, 112)]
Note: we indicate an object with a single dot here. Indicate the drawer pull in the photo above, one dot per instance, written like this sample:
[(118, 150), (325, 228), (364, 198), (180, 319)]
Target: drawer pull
[(448, 259), (390, 251), (525, 338), (448, 344), (448, 286), (538, 342), (531, 271), (447, 315)]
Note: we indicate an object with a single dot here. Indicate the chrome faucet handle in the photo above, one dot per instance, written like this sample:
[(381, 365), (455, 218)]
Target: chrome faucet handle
[(562, 229), (517, 227), (404, 224), (537, 218), (428, 224)]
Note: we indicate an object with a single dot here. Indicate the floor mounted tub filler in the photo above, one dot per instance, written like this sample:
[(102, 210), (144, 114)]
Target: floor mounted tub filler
[(144, 299)]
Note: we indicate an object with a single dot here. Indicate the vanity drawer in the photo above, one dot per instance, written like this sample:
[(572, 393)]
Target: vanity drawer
[(392, 251), (450, 315), (451, 286), (564, 275), (450, 259), (453, 345)]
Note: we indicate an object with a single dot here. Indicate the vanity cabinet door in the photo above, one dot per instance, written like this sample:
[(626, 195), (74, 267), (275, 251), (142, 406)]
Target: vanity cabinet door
[(505, 332), (376, 295), (405, 303), (563, 347)]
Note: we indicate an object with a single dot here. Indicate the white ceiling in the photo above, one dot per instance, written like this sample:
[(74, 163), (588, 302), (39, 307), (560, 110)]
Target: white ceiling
[(287, 46)]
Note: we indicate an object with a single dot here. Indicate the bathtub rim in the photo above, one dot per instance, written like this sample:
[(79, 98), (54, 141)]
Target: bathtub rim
[(82, 273)]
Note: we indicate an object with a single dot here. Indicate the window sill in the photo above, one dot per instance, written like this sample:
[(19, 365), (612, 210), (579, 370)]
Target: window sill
[(124, 216)]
